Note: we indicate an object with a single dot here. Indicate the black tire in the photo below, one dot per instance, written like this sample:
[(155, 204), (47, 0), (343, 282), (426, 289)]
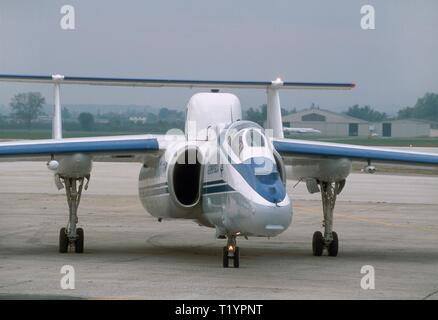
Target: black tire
[(317, 243), (236, 257), (63, 240), (79, 243), (225, 259), (334, 245)]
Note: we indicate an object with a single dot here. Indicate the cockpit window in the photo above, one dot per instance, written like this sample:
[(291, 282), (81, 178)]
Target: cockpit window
[(246, 138), (262, 175), (249, 151), (243, 140), (254, 138), (236, 144)]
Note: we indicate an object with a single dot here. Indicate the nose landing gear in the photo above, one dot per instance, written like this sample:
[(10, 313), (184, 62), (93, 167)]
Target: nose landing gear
[(231, 252)]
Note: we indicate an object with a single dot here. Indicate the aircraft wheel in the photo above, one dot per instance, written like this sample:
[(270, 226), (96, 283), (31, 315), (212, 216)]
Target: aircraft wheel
[(225, 259), (333, 246), (236, 257), (63, 240), (79, 242), (317, 243)]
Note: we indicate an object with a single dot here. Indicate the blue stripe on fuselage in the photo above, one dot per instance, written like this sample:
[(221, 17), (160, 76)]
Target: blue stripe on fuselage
[(217, 189), (209, 187), (208, 183)]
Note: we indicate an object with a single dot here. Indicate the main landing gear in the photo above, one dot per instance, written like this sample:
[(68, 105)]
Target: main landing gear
[(231, 252), (329, 241), (71, 236)]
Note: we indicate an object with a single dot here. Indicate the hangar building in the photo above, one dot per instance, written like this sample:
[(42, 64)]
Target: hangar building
[(341, 125)]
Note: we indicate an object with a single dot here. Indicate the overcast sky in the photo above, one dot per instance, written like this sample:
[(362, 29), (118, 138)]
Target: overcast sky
[(226, 40)]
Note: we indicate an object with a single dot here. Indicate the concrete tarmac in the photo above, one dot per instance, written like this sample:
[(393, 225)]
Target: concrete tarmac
[(387, 221)]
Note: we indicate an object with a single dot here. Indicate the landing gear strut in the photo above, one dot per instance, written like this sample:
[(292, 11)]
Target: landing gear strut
[(71, 235), (329, 241), (231, 251)]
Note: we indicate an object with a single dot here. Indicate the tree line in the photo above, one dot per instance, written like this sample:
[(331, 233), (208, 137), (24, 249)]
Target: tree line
[(27, 107), (426, 108)]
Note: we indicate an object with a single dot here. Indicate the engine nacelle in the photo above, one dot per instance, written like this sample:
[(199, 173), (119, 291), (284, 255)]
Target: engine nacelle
[(172, 188), (320, 169), (73, 166), (185, 177)]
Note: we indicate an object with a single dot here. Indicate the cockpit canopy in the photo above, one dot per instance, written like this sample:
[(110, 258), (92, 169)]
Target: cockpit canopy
[(250, 153), (244, 140)]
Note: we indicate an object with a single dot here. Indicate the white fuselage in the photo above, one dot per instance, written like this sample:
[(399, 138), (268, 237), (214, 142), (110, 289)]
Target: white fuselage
[(230, 194), (225, 173)]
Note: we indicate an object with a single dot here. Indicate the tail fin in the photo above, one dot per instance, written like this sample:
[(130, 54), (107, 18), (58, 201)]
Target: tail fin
[(57, 113), (273, 112)]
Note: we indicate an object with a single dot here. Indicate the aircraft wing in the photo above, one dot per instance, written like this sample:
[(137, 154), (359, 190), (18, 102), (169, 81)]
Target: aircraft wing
[(290, 148), (135, 148)]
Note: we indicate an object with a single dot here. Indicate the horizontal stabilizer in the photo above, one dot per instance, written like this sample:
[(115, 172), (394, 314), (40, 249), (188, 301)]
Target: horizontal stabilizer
[(145, 82)]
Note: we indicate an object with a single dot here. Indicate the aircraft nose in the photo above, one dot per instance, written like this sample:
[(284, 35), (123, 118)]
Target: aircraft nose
[(272, 220), (256, 218)]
